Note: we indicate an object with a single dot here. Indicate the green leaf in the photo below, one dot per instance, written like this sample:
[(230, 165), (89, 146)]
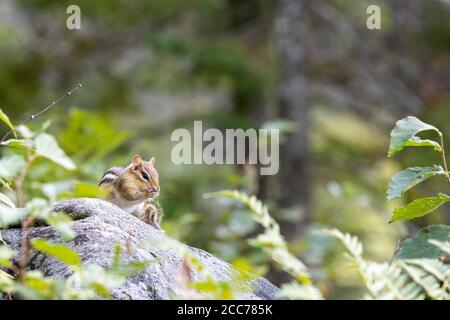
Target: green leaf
[(6, 254), (47, 147), (117, 256), (10, 216), (131, 268), (58, 251), (37, 208), (35, 286), (25, 132), (6, 281), (419, 246), (419, 207), (11, 166), (6, 200), (5, 119), (88, 190), (101, 290), (6, 183), (46, 125), (410, 177), (404, 130), (17, 143), (54, 189), (417, 142), (61, 222)]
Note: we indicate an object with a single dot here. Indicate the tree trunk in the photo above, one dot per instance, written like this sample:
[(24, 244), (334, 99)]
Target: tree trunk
[(294, 174), (290, 188)]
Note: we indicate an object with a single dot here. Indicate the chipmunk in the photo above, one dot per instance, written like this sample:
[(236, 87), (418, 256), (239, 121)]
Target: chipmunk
[(135, 189)]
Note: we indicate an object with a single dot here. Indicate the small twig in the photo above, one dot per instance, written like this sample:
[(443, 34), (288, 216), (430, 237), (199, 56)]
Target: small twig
[(20, 180), (24, 248), (68, 93), (395, 251), (13, 269), (444, 160), (26, 221)]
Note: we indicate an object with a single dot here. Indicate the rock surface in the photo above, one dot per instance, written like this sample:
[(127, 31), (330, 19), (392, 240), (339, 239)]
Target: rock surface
[(99, 226)]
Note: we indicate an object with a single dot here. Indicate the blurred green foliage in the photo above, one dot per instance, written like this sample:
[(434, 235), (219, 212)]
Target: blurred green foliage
[(195, 51)]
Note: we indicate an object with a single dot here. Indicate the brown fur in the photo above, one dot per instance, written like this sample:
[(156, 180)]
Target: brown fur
[(151, 214), (132, 186), (128, 185)]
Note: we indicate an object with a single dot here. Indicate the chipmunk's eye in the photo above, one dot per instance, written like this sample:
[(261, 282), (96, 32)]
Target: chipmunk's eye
[(145, 176)]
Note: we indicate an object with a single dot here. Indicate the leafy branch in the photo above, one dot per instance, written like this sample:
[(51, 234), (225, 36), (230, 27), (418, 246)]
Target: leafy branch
[(40, 145), (404, 135)]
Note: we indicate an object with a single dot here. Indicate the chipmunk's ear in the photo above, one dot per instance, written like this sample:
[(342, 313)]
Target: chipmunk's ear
[(152, 161), (137, 161)]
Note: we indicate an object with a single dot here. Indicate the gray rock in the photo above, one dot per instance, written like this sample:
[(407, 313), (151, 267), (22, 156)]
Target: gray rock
[(99, 226)]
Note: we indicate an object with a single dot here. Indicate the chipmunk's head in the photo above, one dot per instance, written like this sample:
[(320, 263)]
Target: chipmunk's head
[(142, 179)]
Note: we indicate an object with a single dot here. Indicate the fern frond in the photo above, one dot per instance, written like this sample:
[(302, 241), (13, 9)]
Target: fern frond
[(351, 243), (438, 269), (444, 246), (271, 241), (424, 279), (295, 290), (386, 282), (411, 279)]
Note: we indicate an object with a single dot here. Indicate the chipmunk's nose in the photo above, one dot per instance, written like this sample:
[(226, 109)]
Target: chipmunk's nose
[(154, 189)]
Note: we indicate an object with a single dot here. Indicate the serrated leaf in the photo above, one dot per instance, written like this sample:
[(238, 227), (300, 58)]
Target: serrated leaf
[(417, 142), (419, 207), (58, 251), (47, 147), (5, 119), (419, 246), (409, 178), (11, 166), (404, 130), (4, 198)]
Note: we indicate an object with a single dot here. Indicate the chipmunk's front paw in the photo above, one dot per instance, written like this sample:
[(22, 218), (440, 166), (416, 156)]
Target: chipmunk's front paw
[(152, 217)]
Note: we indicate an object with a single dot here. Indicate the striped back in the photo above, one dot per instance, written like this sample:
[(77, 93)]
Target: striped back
[(110, 175)]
